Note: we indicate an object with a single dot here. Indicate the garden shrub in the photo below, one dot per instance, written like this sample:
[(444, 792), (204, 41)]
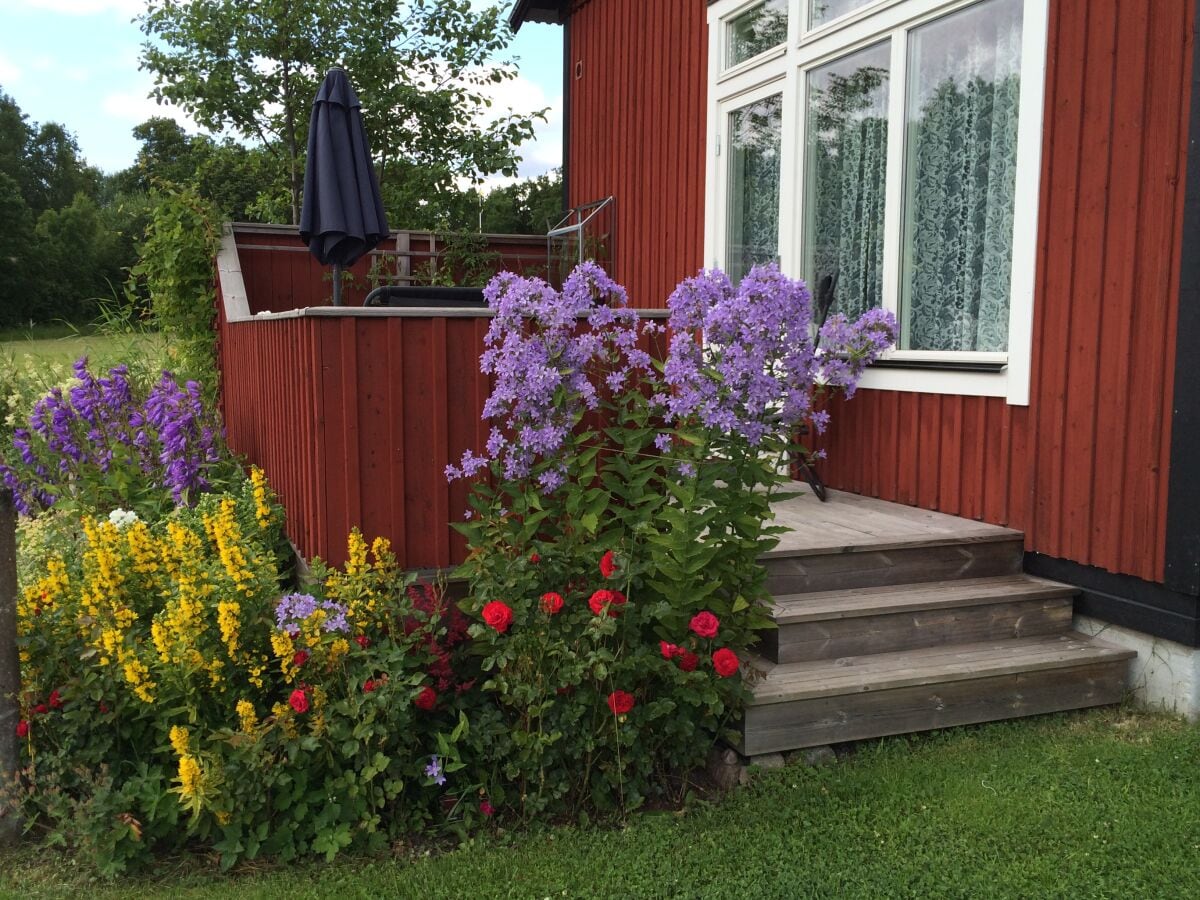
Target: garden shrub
[(614, 542)]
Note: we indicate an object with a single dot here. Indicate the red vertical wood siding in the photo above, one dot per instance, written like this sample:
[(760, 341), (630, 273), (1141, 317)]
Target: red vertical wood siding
[(1083, 469), (636, 131), (354, 420)]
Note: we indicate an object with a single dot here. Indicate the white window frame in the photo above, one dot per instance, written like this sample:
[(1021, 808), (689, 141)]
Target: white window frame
[(784, 69)]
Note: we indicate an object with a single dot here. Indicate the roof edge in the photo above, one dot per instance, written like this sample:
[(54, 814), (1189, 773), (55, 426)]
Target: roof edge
[(553, 12)]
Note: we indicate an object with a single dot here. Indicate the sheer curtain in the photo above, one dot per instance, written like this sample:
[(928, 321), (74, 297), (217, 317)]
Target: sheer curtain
[(755, 134), (847, 144), (961, 179)]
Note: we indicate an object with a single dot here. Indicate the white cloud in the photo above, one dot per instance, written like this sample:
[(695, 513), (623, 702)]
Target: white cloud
[(133, 109), (127, 8), (8, 71)]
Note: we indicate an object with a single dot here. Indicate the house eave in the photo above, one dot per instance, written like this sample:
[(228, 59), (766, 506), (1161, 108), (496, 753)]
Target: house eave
[(553, 12)]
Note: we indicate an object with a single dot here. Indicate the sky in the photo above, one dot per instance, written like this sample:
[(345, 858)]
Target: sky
[(76, 62)]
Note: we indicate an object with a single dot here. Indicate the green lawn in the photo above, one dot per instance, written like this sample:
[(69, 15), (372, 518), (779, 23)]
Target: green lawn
[(60, 344), (1103, 804)]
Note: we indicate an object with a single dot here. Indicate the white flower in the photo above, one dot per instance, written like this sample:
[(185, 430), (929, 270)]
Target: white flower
[(122, 518)]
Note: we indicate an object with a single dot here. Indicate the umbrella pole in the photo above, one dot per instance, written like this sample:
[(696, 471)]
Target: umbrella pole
[(337, 284)]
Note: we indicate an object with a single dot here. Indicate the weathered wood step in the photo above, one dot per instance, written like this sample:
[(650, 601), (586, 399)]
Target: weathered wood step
[(831, 624), (828, 701), (801, 571)]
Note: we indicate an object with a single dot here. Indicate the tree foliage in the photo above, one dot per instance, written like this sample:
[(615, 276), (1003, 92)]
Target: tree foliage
[(423, 70)]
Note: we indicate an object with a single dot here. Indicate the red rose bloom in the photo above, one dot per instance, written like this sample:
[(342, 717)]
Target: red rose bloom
[(498, 615), (669, 651), (534, 558), (705, 624), (369, 686), (103, 707), (22, 729), (606, 601), (551, 603), (363, 641), (299, 701), (607, 566), (41, 709), (620, 702), (300, 658), (427, 699), (725, 662), (487, 809), (55, 700), (688, 660)]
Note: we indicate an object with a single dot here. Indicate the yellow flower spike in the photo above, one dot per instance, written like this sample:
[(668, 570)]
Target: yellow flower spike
[(287, 722), (285, 652), (356, 553), (191, 778), (262, 509), (247, 718), (180, 740), (229, 621), (337, 650)]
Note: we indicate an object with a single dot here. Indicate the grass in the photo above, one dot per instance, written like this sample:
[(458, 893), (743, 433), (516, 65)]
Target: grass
[(47, 345), (1100, 804)]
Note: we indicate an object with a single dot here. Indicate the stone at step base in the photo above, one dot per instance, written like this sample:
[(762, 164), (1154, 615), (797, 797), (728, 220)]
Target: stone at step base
[(728, 768)]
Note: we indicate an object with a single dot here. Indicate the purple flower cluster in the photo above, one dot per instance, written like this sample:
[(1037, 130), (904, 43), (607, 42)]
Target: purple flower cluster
[(293, 610), (98, 425), (746, 362), (742, 362), (187, 442), (549, 352)]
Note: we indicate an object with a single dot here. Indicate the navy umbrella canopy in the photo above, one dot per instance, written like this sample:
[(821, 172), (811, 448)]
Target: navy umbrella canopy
[(343, 216)]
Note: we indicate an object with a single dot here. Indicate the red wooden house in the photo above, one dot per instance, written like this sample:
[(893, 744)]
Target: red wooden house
[(1019, 180)]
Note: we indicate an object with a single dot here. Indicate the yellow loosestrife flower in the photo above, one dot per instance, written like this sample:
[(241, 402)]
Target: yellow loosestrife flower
[(180, 740), (191, 778), (229, 621), (246, 716), (262, 509)]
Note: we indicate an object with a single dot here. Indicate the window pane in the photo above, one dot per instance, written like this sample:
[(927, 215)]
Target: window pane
[(845, 182), (753, 193), (960, 179), (822, 11), (756, 31)]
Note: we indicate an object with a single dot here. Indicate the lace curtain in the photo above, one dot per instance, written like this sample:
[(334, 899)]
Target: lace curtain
[(755, 132), (961, 166), (847, 141)]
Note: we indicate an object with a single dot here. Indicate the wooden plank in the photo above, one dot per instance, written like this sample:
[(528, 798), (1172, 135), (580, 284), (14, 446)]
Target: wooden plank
[(902, 565), (788, 726), (897, 630), (824, 605), (930, 665)]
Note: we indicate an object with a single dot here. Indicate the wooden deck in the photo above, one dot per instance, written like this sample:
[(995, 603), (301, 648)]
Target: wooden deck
[(849, 523)]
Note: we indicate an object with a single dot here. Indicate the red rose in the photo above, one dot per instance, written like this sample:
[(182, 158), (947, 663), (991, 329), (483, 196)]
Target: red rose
[(41, 709), (620, 702), (534, 558), (299, 701), (551, 603), (427, 699), (300, 658), (605, 600), (725, 662), (705, 624), (22, 729), (103, 707), (688, 660), (607, 566), (55, 699), (369, 686), (363, 641), (498, 615), (669, 651), (487, 809)]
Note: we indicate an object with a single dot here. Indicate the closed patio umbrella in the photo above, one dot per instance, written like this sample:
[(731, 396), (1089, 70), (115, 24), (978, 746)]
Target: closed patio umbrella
[(343, 216)]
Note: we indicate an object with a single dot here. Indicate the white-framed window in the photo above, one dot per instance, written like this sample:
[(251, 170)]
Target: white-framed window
[(890, 149)]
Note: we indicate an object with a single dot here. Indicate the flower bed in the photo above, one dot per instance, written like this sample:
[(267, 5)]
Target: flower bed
[(181, 687)]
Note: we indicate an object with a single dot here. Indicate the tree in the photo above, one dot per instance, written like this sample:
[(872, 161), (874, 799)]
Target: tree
[(423, 70), (17, 282), (532, 206)]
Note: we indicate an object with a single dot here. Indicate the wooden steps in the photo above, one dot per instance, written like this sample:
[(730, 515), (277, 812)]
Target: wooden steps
[(893, 620)]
